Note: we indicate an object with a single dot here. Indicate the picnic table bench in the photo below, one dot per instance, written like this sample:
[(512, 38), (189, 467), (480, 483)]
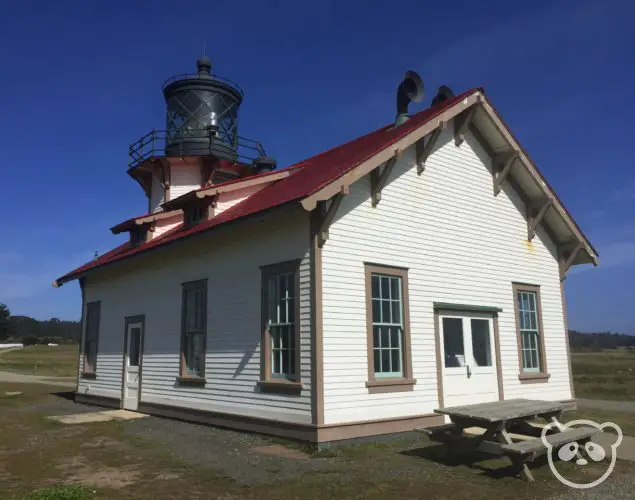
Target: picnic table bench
[(498, 423)]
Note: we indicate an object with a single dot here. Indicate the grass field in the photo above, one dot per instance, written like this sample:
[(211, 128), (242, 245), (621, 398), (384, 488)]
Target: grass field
[(113, 460), (60, 361), (102, 460), (608, 374)]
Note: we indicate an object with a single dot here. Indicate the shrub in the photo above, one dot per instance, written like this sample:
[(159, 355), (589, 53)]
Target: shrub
[(62, 492)]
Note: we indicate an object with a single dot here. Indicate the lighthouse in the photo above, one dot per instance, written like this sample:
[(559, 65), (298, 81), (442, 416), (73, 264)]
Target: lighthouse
[(200, 145)]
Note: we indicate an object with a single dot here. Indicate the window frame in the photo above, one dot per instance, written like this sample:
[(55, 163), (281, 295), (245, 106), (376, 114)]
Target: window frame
[(89, 371), (268, 382), (185, 377), (529, 376), (405, 382)]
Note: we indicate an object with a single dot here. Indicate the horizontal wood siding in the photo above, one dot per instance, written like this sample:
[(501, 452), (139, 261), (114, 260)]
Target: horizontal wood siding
[(157, 195), (229, 259), (228, 200), (461, 245), (164, 225), (183, 179)]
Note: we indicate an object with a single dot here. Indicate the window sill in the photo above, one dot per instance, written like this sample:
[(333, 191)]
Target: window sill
[(533, 378), (379, 386), (92, 375), (280, 386), (189, 380)]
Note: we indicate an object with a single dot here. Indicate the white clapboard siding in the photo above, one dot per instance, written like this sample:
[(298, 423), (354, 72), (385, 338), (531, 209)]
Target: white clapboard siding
[(164, 225), (157, 193), (228, 200), (184, 177), (230, 260), (461, 245)]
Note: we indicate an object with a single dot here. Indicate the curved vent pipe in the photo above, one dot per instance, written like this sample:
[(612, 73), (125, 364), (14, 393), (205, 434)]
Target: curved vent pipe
[(410, 89)]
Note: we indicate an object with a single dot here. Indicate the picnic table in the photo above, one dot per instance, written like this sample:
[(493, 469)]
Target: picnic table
[(504, 428)]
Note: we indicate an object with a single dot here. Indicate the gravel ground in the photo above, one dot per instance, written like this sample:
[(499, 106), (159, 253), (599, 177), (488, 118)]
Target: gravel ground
[(61, 404), (619, 488), (231, 453)]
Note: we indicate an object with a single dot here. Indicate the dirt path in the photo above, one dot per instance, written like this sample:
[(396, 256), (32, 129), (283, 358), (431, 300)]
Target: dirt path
[(601, 404), (21, 378)]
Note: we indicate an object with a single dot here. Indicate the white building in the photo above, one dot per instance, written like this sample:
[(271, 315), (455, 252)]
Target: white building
[(350, 295)]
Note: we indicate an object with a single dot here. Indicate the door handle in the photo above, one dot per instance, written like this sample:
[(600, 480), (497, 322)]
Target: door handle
[(469, 372)]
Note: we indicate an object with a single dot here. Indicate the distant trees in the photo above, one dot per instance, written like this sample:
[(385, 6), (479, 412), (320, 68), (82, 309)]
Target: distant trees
[(32, 331), (5, 324), (600, 341), (52, 330)]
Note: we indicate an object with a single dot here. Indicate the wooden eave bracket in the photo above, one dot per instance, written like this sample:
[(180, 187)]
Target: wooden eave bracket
[(378, 179), (207, 171), (500, 174), (536, 213), (329, 215), (423, 147), (568, 253), (461, 125)]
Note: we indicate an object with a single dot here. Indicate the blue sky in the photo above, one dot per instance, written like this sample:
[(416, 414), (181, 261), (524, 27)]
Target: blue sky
[(81, 81)]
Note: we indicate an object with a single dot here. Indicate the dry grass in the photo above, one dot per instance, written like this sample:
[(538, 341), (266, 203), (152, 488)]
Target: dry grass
[(608, 374), (37, 454), (60, 361)]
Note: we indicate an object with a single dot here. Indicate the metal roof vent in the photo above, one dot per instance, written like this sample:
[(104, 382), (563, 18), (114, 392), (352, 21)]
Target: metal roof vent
[(443, 94), (410, 89)]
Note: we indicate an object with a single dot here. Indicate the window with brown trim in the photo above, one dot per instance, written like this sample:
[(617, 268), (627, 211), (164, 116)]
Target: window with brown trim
[(91, 337), (388, 329), (280, 342), (530, 333), (193, 331)]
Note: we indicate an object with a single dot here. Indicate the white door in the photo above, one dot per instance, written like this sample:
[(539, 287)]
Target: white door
[(468, 358), (132, 359)]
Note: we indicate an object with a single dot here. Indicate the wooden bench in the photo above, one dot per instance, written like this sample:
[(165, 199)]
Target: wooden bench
[(534, 447), (437, 430)]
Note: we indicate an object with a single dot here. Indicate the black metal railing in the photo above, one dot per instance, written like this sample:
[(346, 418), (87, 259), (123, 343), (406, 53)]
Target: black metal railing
[(192, 142)]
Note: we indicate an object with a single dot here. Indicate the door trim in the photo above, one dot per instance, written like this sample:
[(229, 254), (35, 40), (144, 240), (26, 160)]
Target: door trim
[(128, 320), (457, 308)]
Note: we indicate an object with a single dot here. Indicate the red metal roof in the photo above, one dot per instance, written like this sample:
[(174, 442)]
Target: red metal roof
[(310, 175)]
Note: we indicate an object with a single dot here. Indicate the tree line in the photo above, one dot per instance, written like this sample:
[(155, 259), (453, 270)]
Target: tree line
[(579, 341), (32, 331)]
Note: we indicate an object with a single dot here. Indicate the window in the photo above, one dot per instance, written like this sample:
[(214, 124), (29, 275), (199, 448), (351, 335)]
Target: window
[(481, 348), (530, 334), (91, 337), (194, 330), (134, 346), (281, 331), (388, 329)]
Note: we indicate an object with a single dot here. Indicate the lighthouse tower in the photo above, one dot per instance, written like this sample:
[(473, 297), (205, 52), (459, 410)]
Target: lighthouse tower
[(200, 145)]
